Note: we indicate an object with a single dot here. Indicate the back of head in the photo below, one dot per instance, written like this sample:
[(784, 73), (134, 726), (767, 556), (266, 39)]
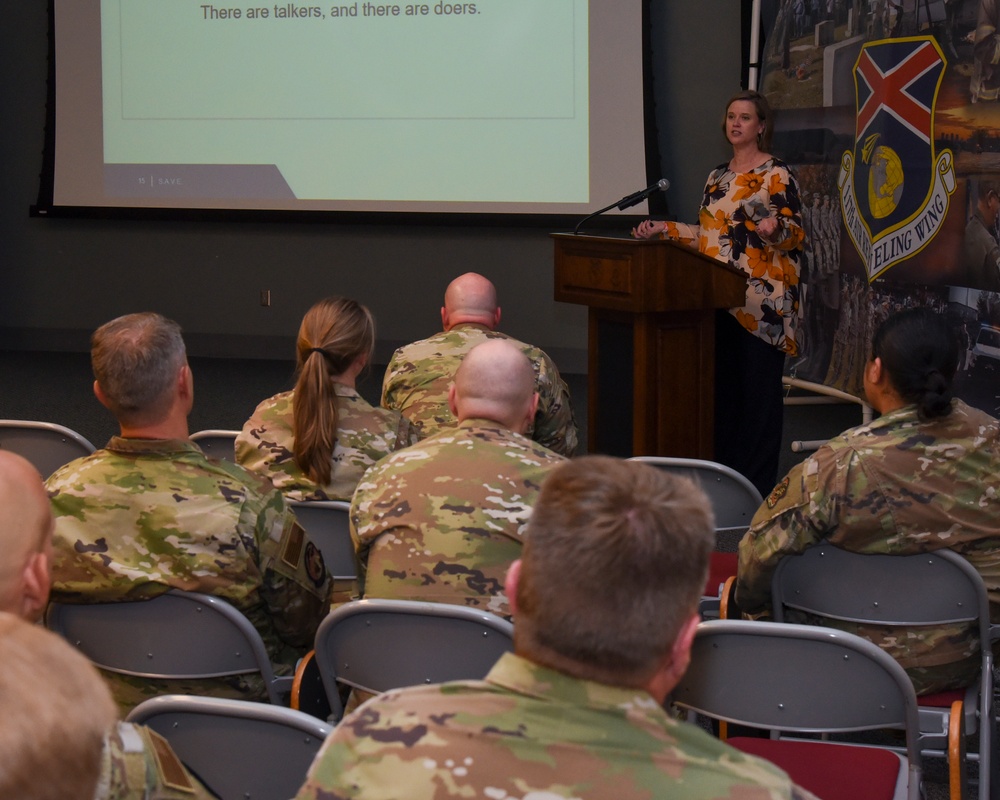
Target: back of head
[(333, 334), (470, 298), (614, 562), (25, 537), (57, 712), (919, 350), (136, 359), (987, 187), (495, 381)]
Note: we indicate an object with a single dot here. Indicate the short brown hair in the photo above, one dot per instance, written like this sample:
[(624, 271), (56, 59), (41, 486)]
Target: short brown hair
[(136, 359), (57, 712), (615, 559), (333, 333)]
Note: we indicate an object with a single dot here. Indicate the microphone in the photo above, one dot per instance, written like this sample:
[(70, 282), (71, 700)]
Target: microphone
[(637, 197), (626, 202)]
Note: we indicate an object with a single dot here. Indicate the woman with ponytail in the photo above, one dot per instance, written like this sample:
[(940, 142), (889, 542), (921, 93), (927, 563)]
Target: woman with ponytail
[(924, 475), (316, 441)]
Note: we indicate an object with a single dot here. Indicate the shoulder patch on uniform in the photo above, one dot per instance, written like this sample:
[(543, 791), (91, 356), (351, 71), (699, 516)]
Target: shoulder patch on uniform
[(292, 552), (169, 766), (315, 568), (779, 491)]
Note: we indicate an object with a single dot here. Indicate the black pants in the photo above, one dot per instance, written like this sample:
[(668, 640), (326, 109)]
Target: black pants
[(748, 403)]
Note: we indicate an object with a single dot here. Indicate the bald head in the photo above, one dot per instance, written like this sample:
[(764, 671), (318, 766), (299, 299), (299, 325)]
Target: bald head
[(496, 382), (25, 538), (470, 298)]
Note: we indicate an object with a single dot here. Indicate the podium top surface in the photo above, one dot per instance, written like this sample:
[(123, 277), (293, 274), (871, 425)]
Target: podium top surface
[(642, 275)]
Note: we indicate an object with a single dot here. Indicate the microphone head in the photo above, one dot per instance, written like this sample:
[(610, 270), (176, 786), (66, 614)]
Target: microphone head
[(663, 184)]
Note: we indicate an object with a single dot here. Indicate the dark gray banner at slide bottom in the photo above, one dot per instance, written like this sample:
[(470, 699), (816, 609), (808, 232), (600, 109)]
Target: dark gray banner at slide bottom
[(215, 181)]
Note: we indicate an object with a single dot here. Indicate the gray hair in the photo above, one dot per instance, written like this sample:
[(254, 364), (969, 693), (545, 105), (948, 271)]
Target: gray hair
[(136, 359)]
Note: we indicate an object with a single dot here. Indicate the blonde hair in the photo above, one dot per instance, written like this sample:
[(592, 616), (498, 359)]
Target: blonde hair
[(333, 333), (615, 559), (56, 714)]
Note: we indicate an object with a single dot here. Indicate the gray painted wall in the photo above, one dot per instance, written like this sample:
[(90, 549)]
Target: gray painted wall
[(62, 278)]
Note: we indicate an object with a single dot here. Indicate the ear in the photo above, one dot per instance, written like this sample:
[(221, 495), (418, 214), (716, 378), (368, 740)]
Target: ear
[(529, 418), (444, 318), (452, 403), (101, 397), (496, 318), (510, 585), (676, 661), (875, 370), (36, 582)]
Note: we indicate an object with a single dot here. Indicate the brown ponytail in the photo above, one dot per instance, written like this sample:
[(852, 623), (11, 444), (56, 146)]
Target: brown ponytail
[(334, 332)]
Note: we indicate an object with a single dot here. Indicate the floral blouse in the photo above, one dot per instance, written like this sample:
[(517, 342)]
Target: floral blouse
[(730, 210)]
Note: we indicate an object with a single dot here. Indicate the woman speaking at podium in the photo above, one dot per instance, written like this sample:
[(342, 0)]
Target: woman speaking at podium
[(750, 218)]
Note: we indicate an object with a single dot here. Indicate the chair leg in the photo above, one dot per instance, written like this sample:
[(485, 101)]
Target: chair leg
[(956, 752)]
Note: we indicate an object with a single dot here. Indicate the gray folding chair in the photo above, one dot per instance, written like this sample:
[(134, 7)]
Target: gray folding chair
[(328, 524), (46, 445), (177, 635), (911, 591), (238, 749), (377, 645), (734, 501), (799, 679), (217, 443)]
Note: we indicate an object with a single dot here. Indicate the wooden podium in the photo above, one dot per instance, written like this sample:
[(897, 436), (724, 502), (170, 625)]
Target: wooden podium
[(651, 340)]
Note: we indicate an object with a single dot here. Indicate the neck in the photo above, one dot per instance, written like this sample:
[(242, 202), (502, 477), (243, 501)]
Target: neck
[(469, 319), (165, 429), (746, 156)]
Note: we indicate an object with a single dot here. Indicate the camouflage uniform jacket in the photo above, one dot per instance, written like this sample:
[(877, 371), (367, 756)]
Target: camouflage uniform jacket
[(894, 486), (143, 516), (139, 764), (442, 520), (418, 376), (364, 435), (527, 731)]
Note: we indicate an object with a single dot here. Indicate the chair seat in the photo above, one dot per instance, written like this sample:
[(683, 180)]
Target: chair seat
[(941, 699), (831, 771)]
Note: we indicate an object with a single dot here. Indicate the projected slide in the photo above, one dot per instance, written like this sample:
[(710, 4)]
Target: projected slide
[(428, 101), (361, 105)]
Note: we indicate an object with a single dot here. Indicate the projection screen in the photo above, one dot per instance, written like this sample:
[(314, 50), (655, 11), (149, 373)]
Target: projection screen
[(488, 107)]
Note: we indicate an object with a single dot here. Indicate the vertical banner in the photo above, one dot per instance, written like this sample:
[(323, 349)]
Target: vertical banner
[(889, 111)]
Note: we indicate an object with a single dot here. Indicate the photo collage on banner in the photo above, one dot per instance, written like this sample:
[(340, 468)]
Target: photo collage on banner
[(889, 112)]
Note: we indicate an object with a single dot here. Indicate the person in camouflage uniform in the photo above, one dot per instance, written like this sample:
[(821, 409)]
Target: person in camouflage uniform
[(136, 763), (339, 434), (606, 600), (444, 519), (924, 475), (418, 375), (61, 739), (150, 513)]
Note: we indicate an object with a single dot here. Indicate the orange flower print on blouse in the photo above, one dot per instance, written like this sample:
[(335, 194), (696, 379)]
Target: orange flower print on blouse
[(747, 185), (732, 208)]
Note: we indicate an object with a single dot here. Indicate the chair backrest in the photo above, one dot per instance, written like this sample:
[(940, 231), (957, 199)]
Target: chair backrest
[(328, 524), (798, 679), (734, 499), (237, 748), (376, 645), (178, 635), (890, 590), (46, 445), (217, 443), (911, 591)]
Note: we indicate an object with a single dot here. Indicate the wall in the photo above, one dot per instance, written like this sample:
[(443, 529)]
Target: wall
[(61, 278)]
